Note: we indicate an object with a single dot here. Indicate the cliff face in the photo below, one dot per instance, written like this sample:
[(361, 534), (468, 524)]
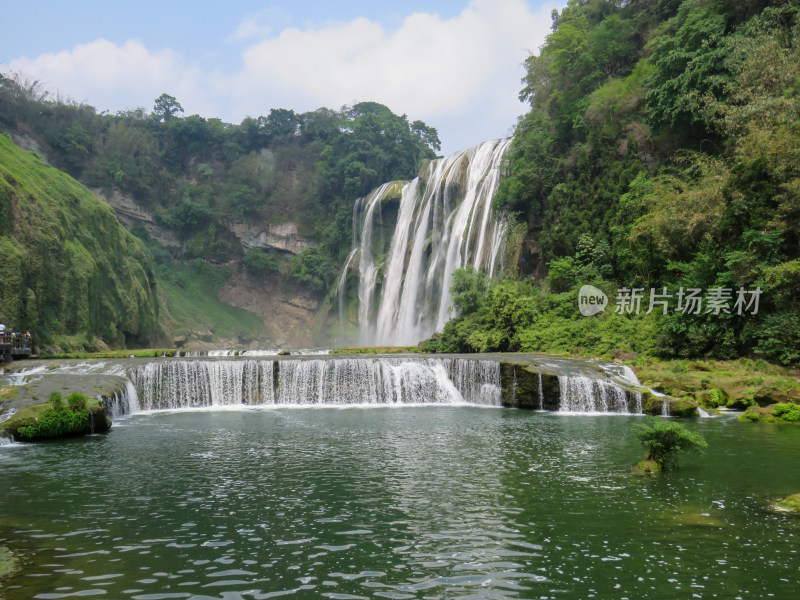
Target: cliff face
[(271, 236), (288, 312), (67, 266)]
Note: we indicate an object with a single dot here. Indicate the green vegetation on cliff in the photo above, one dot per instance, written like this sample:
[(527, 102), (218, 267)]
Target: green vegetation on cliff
[(199, 176), (193, 310), (195, 189), (69, 270), (661, 151)]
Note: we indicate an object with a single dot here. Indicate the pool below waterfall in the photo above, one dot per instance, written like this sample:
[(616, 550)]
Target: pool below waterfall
[(397, 502)]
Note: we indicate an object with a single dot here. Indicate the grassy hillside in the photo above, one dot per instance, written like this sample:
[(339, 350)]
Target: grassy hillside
[(194, 311), (69, 272)]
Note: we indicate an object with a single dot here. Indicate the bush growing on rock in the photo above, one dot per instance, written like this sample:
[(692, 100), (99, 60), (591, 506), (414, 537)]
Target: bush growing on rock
[(787, 412), (662, 439), (59, 420)]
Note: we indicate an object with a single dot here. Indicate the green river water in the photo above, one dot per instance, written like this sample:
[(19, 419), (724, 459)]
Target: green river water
[(398, 502)]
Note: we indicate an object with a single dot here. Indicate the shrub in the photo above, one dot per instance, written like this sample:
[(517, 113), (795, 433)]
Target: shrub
[(662, 439), (56, 423), (58, 420), (257, 262), (787, 412), (56, 402), (76, 401)]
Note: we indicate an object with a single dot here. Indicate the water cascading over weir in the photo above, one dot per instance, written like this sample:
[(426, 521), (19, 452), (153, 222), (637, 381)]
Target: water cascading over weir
[(409, 237), (179, 384), (550, 384)]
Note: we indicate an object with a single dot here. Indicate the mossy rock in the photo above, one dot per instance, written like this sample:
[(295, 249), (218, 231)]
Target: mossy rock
[(647, 467), (520, 385), (678, 407), (8, 392), (691, 516), (9, 563), (98, 421), (740, 403), (767, 395), (766, 414), (711, 398), (26, 416), (788, 505), (677, 385)]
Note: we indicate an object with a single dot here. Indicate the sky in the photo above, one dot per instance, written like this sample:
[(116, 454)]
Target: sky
[(455, 64)]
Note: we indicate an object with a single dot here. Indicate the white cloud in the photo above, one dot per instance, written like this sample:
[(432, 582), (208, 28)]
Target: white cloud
[(460, 75), (113, 77), (260, 25)]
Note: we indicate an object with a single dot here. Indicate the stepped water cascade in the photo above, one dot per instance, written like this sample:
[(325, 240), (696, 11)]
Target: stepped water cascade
[(551, 383), (203, 383), (444, 222), (123, 402), (578, 393)]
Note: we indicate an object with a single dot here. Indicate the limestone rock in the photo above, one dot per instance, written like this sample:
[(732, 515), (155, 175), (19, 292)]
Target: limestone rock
[(276, 236)]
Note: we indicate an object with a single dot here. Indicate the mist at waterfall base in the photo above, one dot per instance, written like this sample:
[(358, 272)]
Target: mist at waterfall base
[(442, 221)]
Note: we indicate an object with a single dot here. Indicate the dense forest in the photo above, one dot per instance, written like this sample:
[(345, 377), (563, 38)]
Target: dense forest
[(661, 152), (199, 178)]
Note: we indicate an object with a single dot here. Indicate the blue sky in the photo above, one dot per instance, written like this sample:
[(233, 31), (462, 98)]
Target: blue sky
[(454, 64)]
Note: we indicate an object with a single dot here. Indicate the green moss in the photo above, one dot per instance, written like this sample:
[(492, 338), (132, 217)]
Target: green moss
[(774, 413), (520, 387), (24, 417), (68, 267), (140, 353), (678, 407), (80, 414), (8, 562), (647, 467), (732, 384), (8, 392), (193, 305), (790, 504), (690, 516)]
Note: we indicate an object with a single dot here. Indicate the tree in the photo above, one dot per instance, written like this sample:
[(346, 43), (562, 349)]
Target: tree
[(468, 290), (166, 107), (662, 439)]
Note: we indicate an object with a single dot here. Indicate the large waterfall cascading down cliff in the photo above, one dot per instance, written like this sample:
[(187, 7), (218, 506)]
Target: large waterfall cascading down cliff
[(444, 221)]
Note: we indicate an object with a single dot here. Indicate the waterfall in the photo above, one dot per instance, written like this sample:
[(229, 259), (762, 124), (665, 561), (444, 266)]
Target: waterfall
[(578, 393), (665, 408), (629, 375), (202, 383), (122, 402), (541, 393), (444, 222)]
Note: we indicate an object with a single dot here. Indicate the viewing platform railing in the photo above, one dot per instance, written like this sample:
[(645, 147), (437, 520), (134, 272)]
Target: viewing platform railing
[(16, 345)]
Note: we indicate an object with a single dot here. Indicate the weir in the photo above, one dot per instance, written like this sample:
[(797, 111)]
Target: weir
[(202, 383), (556, 385), (437, 223)]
